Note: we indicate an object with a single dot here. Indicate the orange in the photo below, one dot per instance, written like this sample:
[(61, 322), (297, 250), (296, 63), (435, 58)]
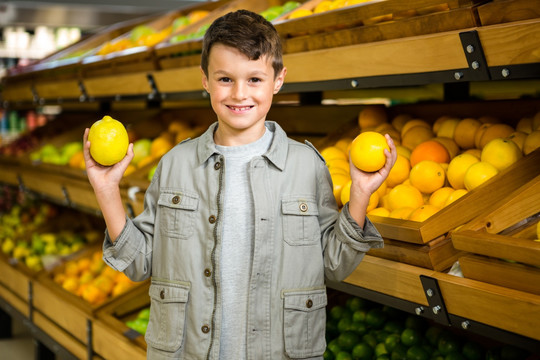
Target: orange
[(372, 116), (160, 146), (333, 152), (479, 133), (399, 120), (474, 152), (455, 195), (130, 169), (344, 144), (367, 151), (104, 283), (450, 145), (437, 124), (93, 295), (478, 173), (495, 131), (83, 264), (532, 142), (386, 128), (415, 136), (427, 176), (412, 123), (177, 126), (525, 125), (401, 213), (71, 269), (381, 190), (380, 211), (197, 15), (501, 153), (403, 151), (322, 6), (404, 196), (458, 167), (373, 201), (76, 159), (399, 172), (346, 193), (448, 128), (339, 164), (518, 138), (120, 288), (429, 150), (298, 13), (338, 182), (71, 284), (439, 197), (464, 132), (423, 212)]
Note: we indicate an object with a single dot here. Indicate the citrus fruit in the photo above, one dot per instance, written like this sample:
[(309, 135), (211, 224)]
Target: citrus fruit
[(367, 151), (478, 173), (380, 211), (450, 145), (339, 163), (322, 6), (448, 343), (532, 142), (403, 151), (298, 13), (432, 335), (344, 144), (108, 141), (427, 176), (415, 136), (423, 212), (457, 168), (391, 342), (410, 337), (382, 189), (338, 312), (345, 193), (373, 201), (417, 352), (525, 125), (372, 116), (518, 138), (440, 196), (479, 133), (495, 131), (474, 152), (464, 132), (448, 128), (472, 351), (362, 351), (399, 172), (455, 195), (404, 196), (399, 121), (536, 121), (376, 318), (402, 213), (348, 339), (429, 150), (501, 153), (333, 152), (338, 182), (413, 123)]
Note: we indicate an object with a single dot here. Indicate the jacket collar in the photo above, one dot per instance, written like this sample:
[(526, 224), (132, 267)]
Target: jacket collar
[(276, 154)]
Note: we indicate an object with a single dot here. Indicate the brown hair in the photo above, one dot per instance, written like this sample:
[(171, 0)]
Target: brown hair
[(249, 33)]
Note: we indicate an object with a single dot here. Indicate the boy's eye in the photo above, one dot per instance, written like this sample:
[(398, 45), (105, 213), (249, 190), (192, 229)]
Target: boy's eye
[(255, 80), (225, 79)]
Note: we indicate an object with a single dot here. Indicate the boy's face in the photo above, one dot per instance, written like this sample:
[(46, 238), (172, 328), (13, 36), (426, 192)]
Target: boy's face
[(241, 92)]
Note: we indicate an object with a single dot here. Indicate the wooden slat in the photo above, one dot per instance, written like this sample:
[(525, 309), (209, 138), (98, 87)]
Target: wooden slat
[(120, 84), (19, 304), (391, 278), (113, 345), (502, 273), (497, 12), (17, 91), (14, 279), (178, 80), (67, 89)]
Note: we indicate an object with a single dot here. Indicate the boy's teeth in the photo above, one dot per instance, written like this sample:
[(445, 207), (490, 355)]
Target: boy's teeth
[(240, 108)]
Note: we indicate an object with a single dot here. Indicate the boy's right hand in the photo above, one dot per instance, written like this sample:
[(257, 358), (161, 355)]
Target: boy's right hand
[(103, 178)]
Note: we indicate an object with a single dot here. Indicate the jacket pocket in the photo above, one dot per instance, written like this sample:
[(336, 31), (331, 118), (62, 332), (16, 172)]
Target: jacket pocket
[(168, 301), (177, 211), (300, 220), (304, 322)]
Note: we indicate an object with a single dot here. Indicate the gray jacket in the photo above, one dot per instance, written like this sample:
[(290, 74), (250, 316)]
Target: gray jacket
[(300, 239)]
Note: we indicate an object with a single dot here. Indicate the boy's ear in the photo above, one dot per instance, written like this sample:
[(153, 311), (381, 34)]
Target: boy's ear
[(204, 79), (280, 79)]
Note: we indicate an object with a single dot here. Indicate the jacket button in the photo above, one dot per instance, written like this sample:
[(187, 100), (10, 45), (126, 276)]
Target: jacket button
[(176, 199), (217, 166), (309, 303), (207, 272), (303, 207), (205, 329), (212, 219), (162, 294)]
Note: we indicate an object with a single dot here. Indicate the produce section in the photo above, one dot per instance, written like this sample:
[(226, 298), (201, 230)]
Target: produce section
[(333, 54)]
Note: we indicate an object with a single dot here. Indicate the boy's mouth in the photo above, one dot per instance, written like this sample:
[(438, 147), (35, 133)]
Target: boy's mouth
[(240, 108)]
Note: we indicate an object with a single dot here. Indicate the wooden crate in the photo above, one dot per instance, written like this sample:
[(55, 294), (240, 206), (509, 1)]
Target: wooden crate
[(15, 277), (497, 12)]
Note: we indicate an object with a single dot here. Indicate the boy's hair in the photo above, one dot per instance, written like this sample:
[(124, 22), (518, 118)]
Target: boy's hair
[(249, 33)]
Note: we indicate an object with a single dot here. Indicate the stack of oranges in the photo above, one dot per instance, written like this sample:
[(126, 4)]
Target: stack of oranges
[(437, 163)]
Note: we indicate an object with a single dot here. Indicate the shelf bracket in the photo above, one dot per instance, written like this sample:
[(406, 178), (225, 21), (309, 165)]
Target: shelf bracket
[(472, 47), (154, 98), (84, 95), (89, 346), (435, 300)]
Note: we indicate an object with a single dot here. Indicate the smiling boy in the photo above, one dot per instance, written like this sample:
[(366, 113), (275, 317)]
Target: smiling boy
[(240, 227)]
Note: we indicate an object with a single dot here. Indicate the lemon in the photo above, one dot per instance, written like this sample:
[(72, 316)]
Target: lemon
[(501, 153), (108, 141), (367, 151)]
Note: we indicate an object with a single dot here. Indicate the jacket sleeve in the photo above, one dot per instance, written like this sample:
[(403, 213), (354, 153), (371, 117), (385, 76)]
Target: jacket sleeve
[(132, 251), (344, 242)]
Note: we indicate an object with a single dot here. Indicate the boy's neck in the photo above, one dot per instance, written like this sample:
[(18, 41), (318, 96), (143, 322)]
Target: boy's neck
[(225, 136)]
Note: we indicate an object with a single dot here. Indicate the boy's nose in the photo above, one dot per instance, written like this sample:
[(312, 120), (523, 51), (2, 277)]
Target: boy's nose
[(239, 90)]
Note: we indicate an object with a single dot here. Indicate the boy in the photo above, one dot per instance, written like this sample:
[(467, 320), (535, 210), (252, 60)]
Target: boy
[(240, 226)]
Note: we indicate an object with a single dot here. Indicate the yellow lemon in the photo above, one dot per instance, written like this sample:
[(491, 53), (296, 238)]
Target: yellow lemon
[(455, 195), (439, 197), (380, 211), (501, 153), (367, 151), (423, 212), (404, 196), (458, 167), (108, 141), (478, 173)]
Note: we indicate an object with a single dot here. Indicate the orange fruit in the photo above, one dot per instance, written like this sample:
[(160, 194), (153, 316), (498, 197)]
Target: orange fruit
[(532, 142), (501, 153), (339, 164), (399, 121), (371, 116), (333, 152), (423, 212), (71, 284), (412, 123), (346, 193), (495, 131), (437, 124), (104, 283), (404, 196), (525, 125), (479, 133), (427, 176), (344, 144), (457, 168), (381, 190), (455, 195), (373, 201), (478, 173), (429, 150), (196, 15), (71, 269), (367, 151), (448, 128), (440, 196), (518, 138), (403, 151), (160, 146), (415, 136), (464, 132), (298, 13), (450, 145), (387, 128), (76, 159), (130, 169), (93, 295), (380, 211), (322, 6), (474, 152), (145, 161), (83, 264), (399, 172), (338, 182), (401, 213)]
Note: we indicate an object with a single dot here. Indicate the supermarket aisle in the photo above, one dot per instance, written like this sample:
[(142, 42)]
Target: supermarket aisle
[(20, 346)]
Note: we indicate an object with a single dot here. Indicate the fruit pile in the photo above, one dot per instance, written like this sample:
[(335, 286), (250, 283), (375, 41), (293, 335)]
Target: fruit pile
[(361, 330), (140, 323), (436, 164), (277, 11), (68, 154), (91, 279), (324, 6)]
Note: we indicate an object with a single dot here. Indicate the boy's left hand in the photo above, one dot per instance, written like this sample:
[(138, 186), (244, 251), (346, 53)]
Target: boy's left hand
[(369, 182)]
